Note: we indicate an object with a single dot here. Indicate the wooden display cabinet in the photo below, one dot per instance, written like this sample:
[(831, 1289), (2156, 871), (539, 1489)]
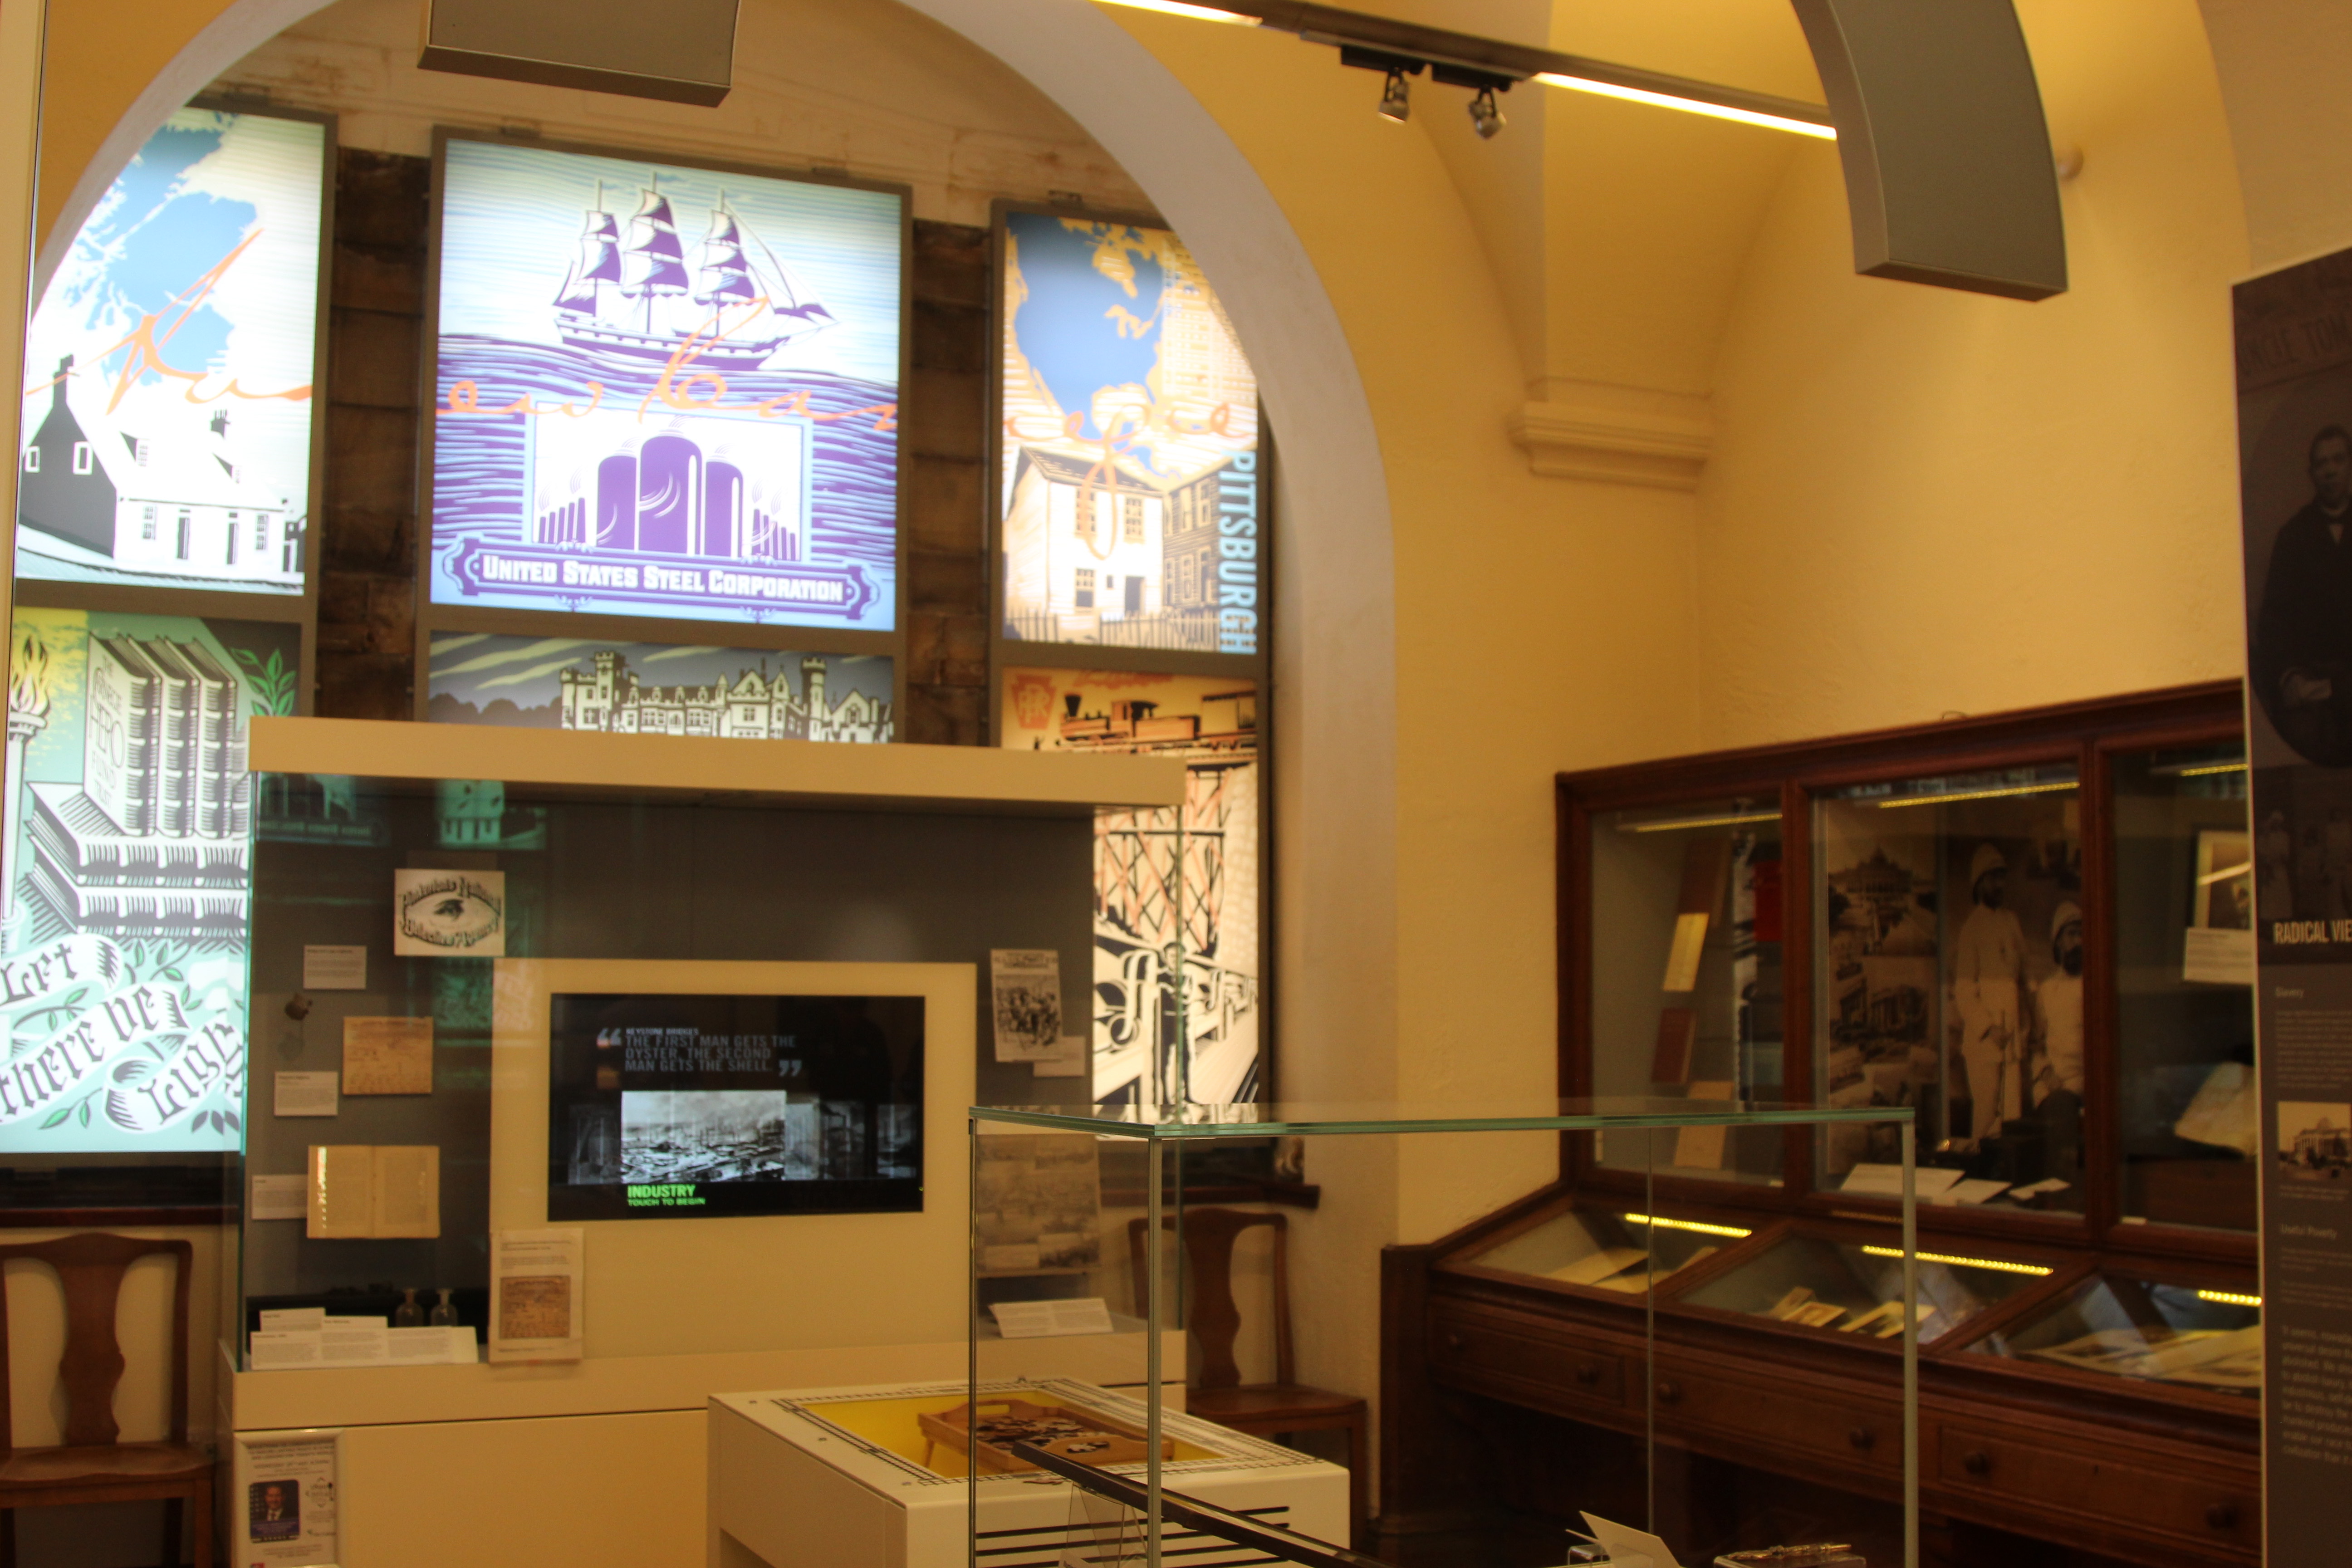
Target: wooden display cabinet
[(2022, 926)]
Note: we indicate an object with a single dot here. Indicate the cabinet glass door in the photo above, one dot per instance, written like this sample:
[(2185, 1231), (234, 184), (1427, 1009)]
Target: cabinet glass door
[(1685, 924), (1949, 949), (2187, 1115)]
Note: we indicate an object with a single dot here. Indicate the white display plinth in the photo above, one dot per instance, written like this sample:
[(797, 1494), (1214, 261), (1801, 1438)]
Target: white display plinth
[(834, 1479)]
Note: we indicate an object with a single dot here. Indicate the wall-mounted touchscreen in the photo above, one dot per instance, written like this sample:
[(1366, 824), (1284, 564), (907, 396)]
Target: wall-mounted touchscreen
[(673, 1106)]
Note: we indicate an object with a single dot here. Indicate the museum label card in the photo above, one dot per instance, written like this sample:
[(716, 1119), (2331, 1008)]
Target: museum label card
[(278, 1197), (303, 1094), (387, 1055), (284, 1499), (1027, 986), (535, 1294), (448, 914), (2218, 956), (335, 968), (1046, 1320)]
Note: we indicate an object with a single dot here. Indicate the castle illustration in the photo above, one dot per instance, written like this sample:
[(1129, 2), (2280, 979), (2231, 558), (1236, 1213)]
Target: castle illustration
[(755, 706)]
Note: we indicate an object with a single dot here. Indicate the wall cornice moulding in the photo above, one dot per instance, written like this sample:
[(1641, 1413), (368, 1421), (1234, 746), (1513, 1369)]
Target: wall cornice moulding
[(1613, 434)]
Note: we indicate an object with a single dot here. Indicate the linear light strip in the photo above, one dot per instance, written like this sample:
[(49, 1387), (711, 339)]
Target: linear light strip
[(1656, 1222), (1998, 1265), (2208, 768), (1687, 105), (1322, 24), (1698, 822), (1978, 794), (1196, 13), (2229, 1299)]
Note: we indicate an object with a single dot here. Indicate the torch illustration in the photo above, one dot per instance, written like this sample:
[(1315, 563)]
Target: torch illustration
[(28, 715)]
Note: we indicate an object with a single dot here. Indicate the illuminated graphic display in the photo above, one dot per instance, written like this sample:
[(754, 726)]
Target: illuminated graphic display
[(166, 425), (665, 391), (658, 689), (678, 1106), (126, 867), (1131, 494), (1176, 912)]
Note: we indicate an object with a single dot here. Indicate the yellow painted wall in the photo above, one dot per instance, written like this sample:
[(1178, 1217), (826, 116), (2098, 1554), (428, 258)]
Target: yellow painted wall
[(1925, 501)]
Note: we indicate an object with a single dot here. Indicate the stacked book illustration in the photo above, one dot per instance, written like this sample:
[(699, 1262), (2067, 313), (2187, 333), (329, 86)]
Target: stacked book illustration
[(156, 841)]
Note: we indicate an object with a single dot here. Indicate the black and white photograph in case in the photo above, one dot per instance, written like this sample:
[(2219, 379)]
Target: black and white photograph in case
[(2315, 1139), (1038, 1206), (1952, 929), (1882, 998), (674, 1106)]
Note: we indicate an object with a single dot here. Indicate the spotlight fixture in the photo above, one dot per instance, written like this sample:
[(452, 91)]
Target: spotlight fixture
[(1396, 98), (1486, 114)]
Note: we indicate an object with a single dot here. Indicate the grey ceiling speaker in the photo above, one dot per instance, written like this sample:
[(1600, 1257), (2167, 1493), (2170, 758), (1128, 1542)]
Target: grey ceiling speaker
[(1948, 175), (680, 51)]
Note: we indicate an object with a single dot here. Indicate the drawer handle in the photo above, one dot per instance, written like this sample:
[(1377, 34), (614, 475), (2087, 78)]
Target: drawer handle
[(1587, 1374), (2223, 1516), (1454, 1341), (1977, 1462), (1670, 1393), (1864, 1438)]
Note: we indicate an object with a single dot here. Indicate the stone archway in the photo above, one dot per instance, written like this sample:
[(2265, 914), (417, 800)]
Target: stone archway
[(1334, 707)]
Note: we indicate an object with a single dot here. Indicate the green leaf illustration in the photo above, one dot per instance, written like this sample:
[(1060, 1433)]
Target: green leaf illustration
[(60, 1114)]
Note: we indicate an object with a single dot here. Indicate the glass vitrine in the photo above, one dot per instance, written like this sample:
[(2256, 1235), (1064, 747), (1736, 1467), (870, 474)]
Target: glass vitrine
[(1157, 1451), (2184, 961), (2152, 1329), (1854, 1287), (1948, 957), (1691, 945)]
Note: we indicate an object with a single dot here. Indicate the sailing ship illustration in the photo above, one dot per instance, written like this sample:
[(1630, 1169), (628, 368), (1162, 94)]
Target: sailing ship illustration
[(634, 296)]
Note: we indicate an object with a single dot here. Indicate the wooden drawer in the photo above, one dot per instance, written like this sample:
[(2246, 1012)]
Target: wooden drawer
[(1832, 1430), (2214, 1505), (1481, 1351)]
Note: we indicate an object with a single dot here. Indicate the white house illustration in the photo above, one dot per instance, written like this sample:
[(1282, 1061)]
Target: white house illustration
[(1101, 551), (170, 504)]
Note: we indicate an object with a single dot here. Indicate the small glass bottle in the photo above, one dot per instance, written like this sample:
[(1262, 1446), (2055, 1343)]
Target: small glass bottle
[(408, 1314), (445, 1314)]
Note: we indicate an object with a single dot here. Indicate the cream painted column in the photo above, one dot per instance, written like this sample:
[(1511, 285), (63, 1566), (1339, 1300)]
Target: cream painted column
[(22, 23)]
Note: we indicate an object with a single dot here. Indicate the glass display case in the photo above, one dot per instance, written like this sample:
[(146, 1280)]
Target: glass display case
[(567, 994), (2031, 930), (1252, 1319), (2128, 1326)]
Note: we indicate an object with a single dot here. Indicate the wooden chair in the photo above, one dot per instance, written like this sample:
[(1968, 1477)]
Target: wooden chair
[(1215, 1321), (91, 1465)]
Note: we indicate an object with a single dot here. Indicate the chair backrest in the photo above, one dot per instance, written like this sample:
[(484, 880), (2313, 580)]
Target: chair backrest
[(1212, 1317), (90, 1266)]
